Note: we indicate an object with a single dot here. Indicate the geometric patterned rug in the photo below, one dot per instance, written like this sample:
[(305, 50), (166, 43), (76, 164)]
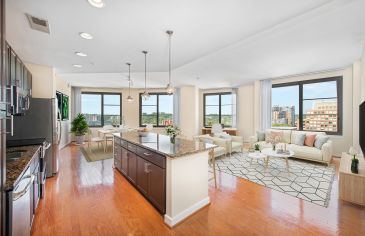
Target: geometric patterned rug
[(307, 180)]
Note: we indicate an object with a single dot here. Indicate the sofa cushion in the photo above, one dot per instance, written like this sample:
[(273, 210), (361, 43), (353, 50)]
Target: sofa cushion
[(285, 135), (320, 140), (309, 140), (299, 139), (295, 132), (306, 152), (260, 136)]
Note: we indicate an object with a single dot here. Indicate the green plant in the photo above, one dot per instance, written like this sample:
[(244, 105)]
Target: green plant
[(172, 131), (79, 125), (257, 147)]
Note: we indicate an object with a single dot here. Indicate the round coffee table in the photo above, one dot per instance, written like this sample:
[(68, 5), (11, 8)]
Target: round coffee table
[(271, 153), (258, 155)]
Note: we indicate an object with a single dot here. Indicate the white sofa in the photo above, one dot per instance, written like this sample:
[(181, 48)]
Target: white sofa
[(323, 155)]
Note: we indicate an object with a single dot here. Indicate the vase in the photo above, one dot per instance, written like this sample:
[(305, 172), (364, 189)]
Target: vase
[(274, 147), (172, 139), (80, 139), (355, 166)]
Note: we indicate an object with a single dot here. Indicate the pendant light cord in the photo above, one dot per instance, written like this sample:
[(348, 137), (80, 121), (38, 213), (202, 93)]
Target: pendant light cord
[(170, 57), (145, 71)]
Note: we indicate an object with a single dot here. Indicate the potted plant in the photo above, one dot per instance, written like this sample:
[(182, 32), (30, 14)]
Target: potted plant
[(257, 147), (354, 161), (172, 131), (79, 128)]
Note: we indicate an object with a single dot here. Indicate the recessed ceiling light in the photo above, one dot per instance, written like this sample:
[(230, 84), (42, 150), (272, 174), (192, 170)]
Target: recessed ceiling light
[(81, 54), (77, 65), (86, 35), (97, 3)]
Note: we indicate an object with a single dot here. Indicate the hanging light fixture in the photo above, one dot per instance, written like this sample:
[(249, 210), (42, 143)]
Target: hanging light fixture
[(145, 94), (170, 89), (129, 98)]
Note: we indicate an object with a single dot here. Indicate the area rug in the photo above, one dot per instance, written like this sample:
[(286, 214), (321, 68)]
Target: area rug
[(307, 180), (95, 153)]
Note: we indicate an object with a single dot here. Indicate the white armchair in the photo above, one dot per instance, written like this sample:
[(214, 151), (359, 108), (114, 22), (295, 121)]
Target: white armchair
[(234, 143)]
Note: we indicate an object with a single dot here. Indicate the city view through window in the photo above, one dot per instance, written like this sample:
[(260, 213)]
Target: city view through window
[(218, 109), (157, 110), (319, 106), (101, 109)]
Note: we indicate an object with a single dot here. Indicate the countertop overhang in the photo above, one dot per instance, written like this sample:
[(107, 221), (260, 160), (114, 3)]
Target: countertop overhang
[(161, 144)]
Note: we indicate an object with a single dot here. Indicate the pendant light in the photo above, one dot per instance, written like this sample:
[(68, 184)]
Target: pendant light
[(170, 89), (129, 98), (145, 94)]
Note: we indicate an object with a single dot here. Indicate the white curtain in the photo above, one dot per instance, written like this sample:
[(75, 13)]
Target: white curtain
[(234, 108), (176, 114), (265, 104), (76, 101)]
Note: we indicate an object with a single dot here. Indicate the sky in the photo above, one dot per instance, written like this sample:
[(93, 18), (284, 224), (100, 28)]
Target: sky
[(289, 96)]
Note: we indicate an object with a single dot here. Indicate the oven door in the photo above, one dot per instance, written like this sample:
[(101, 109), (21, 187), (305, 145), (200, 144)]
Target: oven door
[(42, 182), (21, 209)]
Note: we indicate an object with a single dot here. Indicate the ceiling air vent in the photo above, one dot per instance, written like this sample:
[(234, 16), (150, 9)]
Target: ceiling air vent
[(38, 23)]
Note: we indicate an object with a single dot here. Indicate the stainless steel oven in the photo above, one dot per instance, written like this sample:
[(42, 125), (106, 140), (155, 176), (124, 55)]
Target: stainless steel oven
[(42, 167)]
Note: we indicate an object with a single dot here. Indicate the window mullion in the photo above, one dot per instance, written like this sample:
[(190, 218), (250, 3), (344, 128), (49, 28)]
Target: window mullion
[(301, 106)]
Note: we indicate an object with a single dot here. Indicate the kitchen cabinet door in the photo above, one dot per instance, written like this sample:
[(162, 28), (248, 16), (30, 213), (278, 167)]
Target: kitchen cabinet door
[(124, 161), (142, 175), (156, 191), (12, 57), (132, 167), (19, 73)]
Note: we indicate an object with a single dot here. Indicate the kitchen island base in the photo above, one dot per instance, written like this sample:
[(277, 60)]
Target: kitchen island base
[(186, 186)]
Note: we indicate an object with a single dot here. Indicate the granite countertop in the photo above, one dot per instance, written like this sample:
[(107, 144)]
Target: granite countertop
[(15, 168), (161, 144)]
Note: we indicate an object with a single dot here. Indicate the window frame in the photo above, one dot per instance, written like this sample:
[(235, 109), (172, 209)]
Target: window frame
[(219, 105), (157, 106), (339, 87), (102, 105)]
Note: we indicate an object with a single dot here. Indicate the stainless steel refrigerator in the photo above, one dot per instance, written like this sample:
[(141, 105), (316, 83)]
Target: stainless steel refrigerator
[(41, 121)]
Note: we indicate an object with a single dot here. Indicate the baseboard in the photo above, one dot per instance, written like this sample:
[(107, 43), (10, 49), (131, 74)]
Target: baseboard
[(172, 221)]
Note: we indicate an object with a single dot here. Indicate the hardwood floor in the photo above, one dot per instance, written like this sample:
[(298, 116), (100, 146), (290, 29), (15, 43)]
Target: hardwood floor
[(93, 199)]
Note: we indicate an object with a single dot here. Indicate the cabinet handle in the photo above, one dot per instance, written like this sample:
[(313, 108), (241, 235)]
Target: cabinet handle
[(147, 154), (146, 168)]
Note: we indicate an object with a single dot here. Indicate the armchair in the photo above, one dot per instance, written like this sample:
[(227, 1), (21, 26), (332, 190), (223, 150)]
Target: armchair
[(222, 144), (233, 143)]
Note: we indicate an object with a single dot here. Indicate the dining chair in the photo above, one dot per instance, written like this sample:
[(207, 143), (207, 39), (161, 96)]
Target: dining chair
[(92, 139)]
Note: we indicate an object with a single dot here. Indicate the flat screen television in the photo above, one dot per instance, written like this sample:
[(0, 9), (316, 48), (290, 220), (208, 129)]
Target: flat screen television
[(362, 128)]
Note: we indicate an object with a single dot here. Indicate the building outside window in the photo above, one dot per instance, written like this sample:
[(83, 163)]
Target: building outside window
[(314, 105), (218, 108), (101, 108), (157, 110)]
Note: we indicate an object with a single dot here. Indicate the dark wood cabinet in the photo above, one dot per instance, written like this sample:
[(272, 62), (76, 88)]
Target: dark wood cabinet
[(124, 161), (156, 183), (145, 169), (132, 167), (18, 82), (142, 176)]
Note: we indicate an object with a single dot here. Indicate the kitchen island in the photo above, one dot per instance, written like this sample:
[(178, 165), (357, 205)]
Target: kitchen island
[(173, 177)]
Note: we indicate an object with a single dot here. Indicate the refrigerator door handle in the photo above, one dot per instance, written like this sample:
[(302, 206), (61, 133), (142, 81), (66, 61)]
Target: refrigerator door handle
[(59, 135)]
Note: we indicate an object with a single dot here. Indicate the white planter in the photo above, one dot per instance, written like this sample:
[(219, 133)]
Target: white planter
[(80, 139)]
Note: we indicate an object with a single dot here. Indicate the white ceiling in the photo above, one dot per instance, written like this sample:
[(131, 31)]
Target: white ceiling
[(224, 43)]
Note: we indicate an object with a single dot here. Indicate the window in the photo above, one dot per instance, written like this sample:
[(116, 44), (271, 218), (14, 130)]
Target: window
[(218, 108), (157, 110), (101, 108), (314, 105)]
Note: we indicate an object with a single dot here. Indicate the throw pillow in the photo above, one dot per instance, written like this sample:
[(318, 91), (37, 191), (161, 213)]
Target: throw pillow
[(225, 136), (260, 136), (276, 136), (320, 140), (309, 140), (299, 139)]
